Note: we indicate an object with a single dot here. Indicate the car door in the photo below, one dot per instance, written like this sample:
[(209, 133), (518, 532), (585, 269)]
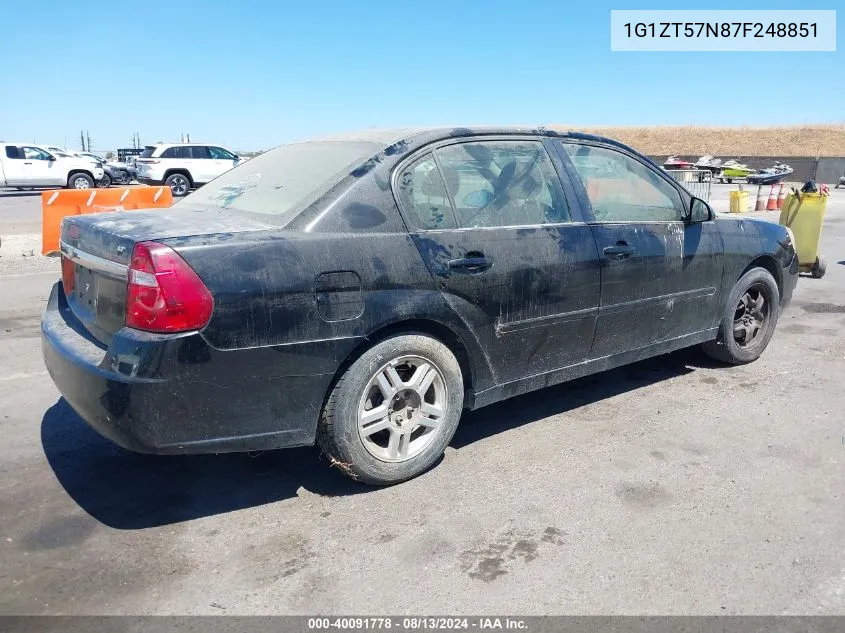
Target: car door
[(13, 161), (221, 160), (659, 272), (202, 168), (41, 168), (493, 223)]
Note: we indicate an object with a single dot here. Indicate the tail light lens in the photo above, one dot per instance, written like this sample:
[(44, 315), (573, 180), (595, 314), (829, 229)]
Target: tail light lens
[(68, 275), (164, 294)]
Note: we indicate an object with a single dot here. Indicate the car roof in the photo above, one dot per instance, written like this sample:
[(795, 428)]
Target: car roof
[(424, 135)]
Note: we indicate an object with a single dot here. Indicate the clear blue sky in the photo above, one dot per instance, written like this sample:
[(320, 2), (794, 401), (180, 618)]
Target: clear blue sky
[(253, 74)]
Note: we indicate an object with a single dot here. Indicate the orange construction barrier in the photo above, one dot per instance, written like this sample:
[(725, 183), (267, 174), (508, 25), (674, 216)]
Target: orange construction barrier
[(60, 203), (772, 204), (781, 196)]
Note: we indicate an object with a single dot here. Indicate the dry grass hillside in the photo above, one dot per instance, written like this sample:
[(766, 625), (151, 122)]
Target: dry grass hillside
[(804, 140)]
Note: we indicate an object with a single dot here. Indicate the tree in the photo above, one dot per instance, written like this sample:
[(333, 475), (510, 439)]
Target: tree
[(109, 155)]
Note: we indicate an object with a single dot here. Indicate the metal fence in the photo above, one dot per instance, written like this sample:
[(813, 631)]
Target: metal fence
[(696, 181)]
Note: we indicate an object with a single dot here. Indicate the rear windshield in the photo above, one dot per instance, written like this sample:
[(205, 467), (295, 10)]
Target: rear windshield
[(285, 180)]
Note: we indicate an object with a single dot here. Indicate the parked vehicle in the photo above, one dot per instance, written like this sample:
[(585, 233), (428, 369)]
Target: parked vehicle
[(26, 166), (732, 169), (770, 175), (674, 162), (183, 166), (115, 172), (362, 292)]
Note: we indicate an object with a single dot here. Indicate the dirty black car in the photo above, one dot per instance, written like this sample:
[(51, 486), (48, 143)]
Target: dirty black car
[(360, 292)]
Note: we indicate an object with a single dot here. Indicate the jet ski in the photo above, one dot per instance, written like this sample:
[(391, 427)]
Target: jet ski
[(733, 169), (673, 162), (708, 163), (770, 175)]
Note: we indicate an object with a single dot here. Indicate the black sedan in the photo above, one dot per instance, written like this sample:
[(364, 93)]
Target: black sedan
[(361, 291)]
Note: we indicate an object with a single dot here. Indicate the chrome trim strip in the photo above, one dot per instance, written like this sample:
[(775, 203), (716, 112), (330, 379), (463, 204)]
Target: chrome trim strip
[(103, 266), (553, 319), (685, 295)]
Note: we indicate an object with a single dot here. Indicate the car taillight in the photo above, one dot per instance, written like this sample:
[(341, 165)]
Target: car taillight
[(68, 275), (163, 293)]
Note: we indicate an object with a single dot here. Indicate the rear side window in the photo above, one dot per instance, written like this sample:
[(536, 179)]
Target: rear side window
[(502, 183), (174, 152), (622, 189), (148, 152), (198, 151), (13, 152), (423, 197)]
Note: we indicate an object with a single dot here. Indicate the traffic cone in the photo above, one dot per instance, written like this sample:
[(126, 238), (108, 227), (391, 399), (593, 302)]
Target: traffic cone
[(781, 195), (761, 200), (772, 204)]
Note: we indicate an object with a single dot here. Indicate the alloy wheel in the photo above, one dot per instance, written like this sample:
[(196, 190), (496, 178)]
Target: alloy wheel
[(750, 317), (402, 408)]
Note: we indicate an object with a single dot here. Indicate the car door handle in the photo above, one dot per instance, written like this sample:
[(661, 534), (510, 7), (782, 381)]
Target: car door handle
[(29, 163), (471, 264), (620, 251)]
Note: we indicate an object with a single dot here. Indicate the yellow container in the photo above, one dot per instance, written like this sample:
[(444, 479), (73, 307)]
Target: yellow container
[(739, 202), (804, 214)]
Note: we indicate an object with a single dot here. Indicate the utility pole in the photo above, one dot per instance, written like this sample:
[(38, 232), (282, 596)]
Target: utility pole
[(189, 138), (82, 140), (88, 136)]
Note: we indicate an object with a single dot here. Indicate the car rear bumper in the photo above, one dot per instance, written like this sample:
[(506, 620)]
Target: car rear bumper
[(175, 394)]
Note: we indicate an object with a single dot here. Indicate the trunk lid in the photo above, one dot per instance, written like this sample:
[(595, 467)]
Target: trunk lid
[(96, 252)]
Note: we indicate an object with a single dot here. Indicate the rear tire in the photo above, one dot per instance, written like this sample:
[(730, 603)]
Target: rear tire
[(179, 184), (416, 383), (748, 319), (105, 182), (79, 180)]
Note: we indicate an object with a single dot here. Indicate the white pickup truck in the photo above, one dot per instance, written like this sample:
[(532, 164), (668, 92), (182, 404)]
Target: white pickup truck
[(26, 166)]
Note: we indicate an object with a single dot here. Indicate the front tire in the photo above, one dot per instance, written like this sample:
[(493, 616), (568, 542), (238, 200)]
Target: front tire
[(105, 182), (748, 320), (179, 184), (80, 181), (394, 410)]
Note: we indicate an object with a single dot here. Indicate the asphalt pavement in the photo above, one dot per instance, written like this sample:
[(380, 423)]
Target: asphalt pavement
[(672, 486)]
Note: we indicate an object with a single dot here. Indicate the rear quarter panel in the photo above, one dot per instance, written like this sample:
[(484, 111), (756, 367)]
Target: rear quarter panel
[(342, 270)]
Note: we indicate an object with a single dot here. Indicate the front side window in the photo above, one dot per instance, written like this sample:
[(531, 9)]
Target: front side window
[(219, 153), (423, 197), (35, 153), (502, 183), (622, 189)]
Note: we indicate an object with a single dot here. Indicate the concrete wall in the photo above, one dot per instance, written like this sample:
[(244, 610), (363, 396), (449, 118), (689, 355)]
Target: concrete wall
[(830, 170)]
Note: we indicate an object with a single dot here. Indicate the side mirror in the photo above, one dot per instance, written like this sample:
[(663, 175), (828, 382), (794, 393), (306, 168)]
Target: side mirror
[(700, 211)]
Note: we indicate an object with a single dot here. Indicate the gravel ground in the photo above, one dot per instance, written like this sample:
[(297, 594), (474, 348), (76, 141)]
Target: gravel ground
[(673, 486)]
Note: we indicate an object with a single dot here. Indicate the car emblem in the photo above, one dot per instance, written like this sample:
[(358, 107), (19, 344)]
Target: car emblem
[(73, 232), (87, 285), (121, 249)]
